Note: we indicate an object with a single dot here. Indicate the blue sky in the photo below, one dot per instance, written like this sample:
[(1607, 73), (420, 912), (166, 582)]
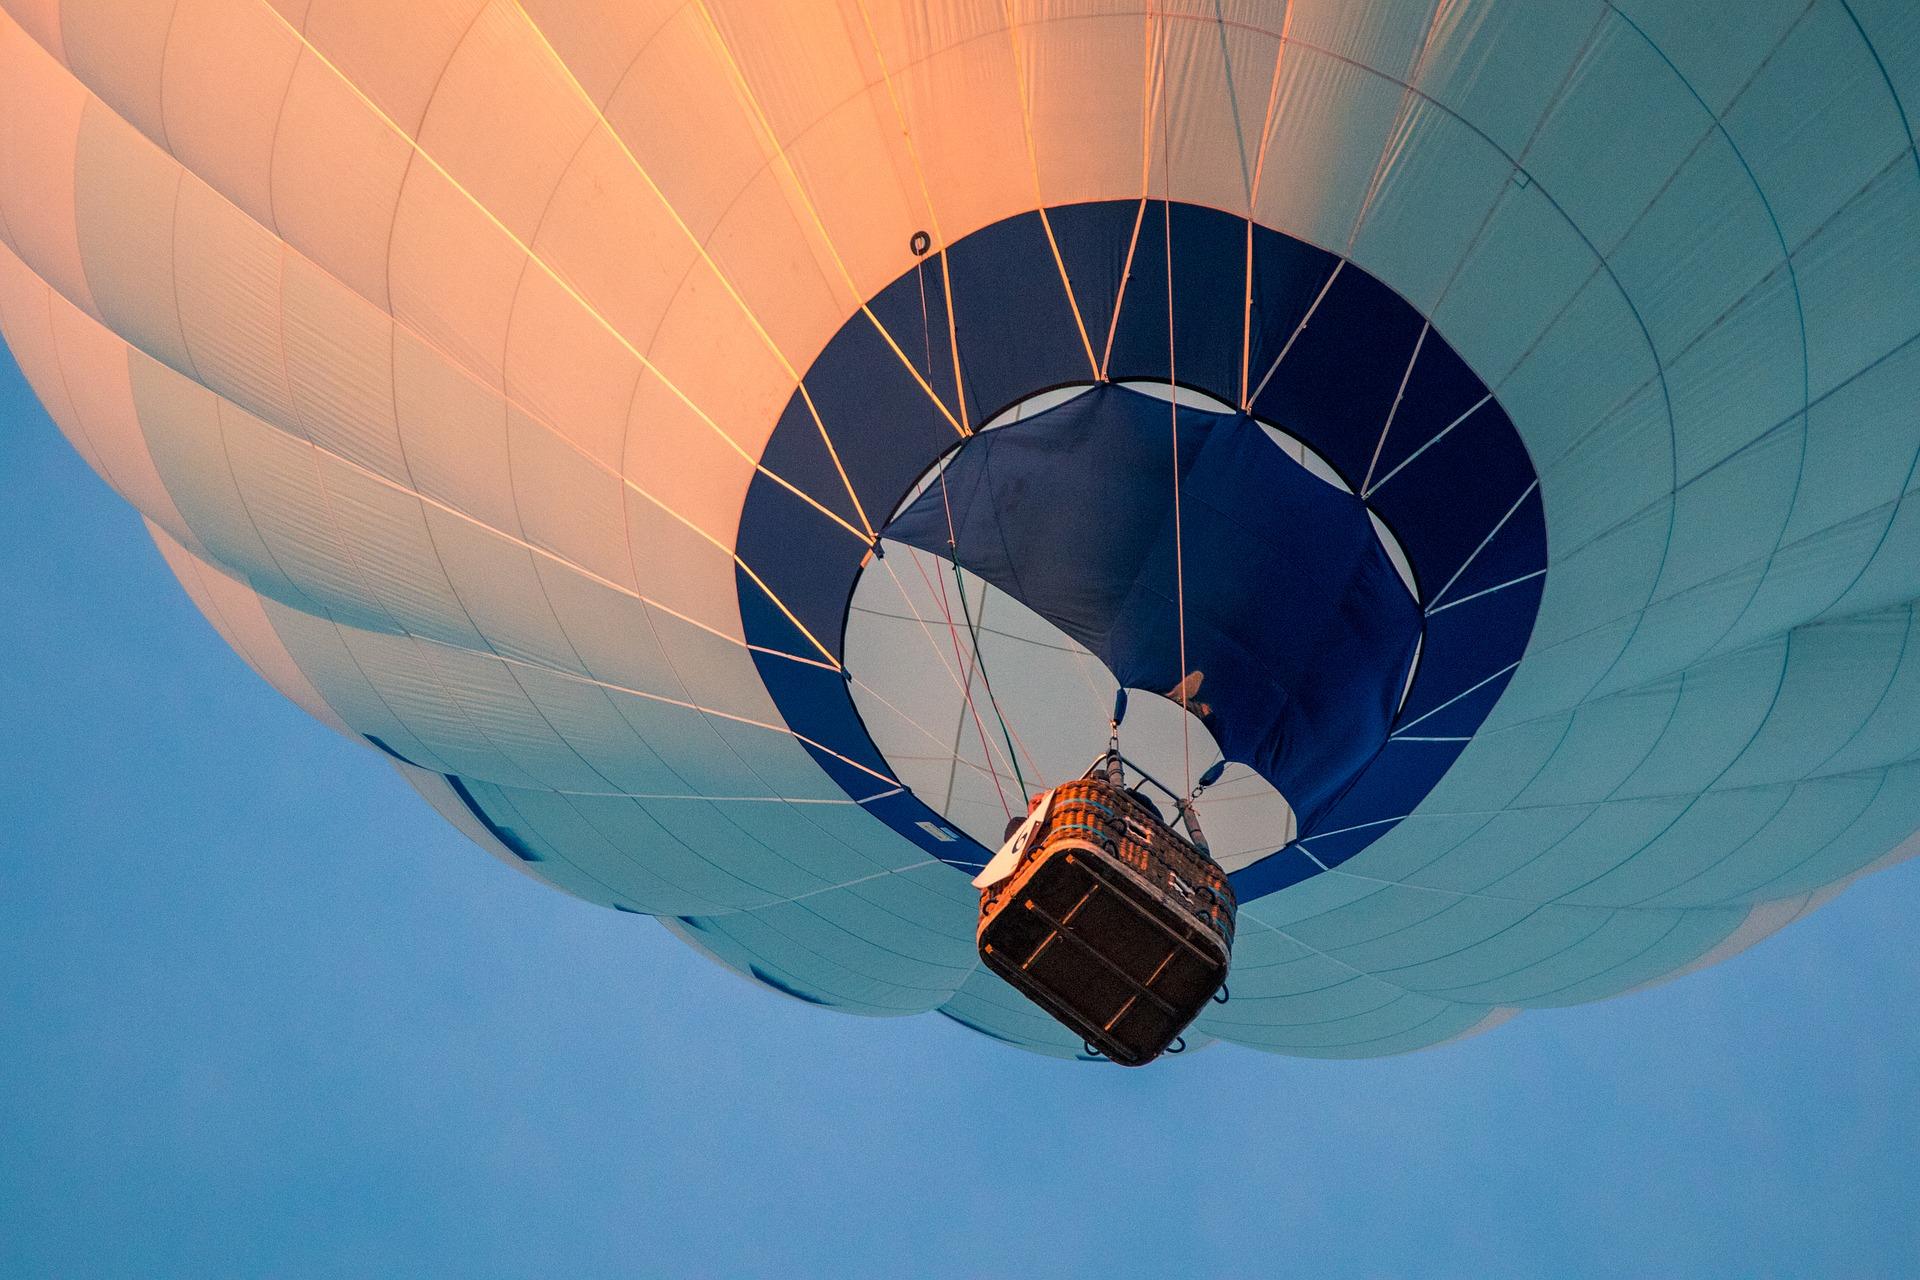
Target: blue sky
[(261, 1012)]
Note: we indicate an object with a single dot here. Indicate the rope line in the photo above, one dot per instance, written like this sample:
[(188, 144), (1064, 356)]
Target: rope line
[(962, 425), (1149, 95), (744, 91), (966, 675), (1379, 445), (698, 245), (926, 630), (979, 656), (919, 728), (553, 274), (1039, 197), (1173, 422), (1253, 200)]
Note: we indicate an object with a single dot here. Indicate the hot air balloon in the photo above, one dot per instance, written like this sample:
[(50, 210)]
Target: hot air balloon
[(727, 455)]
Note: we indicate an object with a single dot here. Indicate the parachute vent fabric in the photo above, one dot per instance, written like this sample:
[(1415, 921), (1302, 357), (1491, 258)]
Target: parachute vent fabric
[(1292, 611), (521, 386)]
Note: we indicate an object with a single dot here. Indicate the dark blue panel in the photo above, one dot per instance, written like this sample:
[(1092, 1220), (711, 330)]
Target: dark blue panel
[(1287, 276), (1457, 657), (1140, 346), (1440, 389), (798, 453), (816, 697), (1337, 383), (810, 574), (1463, 716), (1209, 258), (914, 312), (1517, 550), (1209, 298), (1289, 866), (1093, 243), (857, 380), (1388, 788), (1341, 843), (1005, 280)]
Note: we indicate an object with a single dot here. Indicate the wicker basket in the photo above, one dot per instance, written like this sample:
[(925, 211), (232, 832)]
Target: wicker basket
[(1112, 923)]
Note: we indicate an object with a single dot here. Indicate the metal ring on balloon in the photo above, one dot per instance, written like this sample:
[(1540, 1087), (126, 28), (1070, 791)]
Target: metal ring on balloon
[(1423, 448)]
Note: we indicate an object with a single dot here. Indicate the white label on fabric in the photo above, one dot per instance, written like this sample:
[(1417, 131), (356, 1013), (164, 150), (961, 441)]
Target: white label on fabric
[(1008, 858)]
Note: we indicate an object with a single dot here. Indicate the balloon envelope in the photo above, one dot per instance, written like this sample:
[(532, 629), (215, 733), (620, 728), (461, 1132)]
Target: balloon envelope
[(534, 392)]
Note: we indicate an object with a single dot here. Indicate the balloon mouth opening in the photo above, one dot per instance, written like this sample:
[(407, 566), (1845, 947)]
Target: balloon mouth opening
[(1374, 519), (976, 720), (984, 662)]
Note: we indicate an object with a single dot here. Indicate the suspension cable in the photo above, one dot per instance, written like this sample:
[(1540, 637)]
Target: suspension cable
[(973, 634), (1173, 406)]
